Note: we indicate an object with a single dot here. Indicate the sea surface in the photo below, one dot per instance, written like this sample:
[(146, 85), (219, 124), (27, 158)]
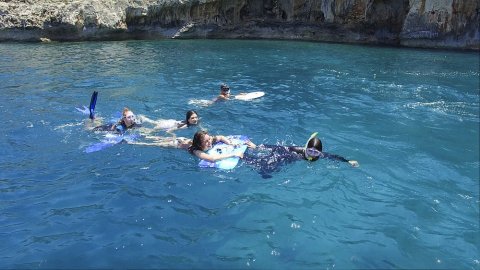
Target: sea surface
[(409, 117)]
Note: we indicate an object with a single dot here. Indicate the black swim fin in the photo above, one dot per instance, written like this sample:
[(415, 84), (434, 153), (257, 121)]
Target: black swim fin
[(93, 102)]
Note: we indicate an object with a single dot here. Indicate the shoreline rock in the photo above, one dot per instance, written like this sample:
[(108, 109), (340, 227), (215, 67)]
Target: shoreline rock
[(445, 24)]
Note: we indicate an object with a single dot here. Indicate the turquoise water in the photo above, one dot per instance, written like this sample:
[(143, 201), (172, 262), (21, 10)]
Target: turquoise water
[(410, 117)]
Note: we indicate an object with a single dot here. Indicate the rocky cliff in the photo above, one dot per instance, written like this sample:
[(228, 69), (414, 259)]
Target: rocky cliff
[(416, 23)]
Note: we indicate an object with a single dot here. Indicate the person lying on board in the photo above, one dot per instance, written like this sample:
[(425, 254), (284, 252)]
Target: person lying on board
[(202, 142), (225, 94), (128, 121)]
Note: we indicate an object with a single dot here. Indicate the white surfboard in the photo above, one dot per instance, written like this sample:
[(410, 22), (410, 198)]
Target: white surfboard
[(250, 96), (242, 96)]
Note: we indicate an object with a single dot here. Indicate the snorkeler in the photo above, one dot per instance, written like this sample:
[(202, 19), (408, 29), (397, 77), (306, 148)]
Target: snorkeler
[(224, 93), (269, 158), (128, 121), (202, 142)]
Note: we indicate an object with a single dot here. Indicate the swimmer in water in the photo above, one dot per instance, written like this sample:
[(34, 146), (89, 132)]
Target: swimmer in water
[(270, 158), (202, 142), (128, 121), (224, 93), (170, 125), (191, 119)]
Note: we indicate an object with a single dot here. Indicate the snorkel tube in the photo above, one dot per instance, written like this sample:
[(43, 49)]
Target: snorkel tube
[(93, 102), (308, 157)]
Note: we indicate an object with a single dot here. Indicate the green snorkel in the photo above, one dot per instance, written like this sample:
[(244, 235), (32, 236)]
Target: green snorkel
[(306, 145)]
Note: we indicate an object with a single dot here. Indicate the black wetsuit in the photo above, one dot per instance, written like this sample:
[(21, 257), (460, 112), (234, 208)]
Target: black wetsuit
[(118, 128), (269, 158)]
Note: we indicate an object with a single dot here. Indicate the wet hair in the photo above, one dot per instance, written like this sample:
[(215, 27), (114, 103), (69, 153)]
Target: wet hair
[(124, 113), (197, 141), (224, 86), (188, 115), (315, 143)]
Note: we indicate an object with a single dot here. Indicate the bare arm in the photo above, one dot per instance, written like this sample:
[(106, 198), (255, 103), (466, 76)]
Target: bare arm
[(173, 142), (179, 126), (221, 138), (354, 163), (215, 157), (145, 119), (221, 97), (151, 144), (250, 144), (171, 131), (159, 141)]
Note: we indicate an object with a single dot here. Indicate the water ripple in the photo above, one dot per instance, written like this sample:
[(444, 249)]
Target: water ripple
[(410, 117)]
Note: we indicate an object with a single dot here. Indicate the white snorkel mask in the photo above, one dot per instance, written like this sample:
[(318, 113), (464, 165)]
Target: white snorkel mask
[(311, 152)]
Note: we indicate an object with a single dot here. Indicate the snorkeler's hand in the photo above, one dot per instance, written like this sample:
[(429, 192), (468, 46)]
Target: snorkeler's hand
[(250, 144), (240, 155), (354, 163), (261, 146)]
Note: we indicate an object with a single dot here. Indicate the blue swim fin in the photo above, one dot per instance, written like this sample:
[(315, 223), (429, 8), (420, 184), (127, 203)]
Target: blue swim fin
[(98, 146), (93, 102), (110, 141)]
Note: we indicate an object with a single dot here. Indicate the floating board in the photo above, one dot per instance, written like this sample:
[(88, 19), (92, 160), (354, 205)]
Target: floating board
[(108, 141), (250, 96), (243, 96), (221, 148)]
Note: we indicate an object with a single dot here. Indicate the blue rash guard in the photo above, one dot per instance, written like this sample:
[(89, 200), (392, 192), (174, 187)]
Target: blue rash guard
[(270, 158)]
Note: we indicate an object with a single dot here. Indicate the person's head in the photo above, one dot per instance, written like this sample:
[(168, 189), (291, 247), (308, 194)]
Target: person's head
[(201, 141), (191, 118), (224, 90), (128, 117), (313, 148)]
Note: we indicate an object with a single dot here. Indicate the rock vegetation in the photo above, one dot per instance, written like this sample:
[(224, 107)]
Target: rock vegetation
[(415, 23)]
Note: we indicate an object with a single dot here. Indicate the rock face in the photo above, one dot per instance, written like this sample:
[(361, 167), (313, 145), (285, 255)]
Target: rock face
[(416, 23)]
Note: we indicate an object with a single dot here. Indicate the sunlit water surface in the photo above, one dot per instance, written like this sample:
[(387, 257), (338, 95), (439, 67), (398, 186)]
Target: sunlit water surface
[(410, 117)]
